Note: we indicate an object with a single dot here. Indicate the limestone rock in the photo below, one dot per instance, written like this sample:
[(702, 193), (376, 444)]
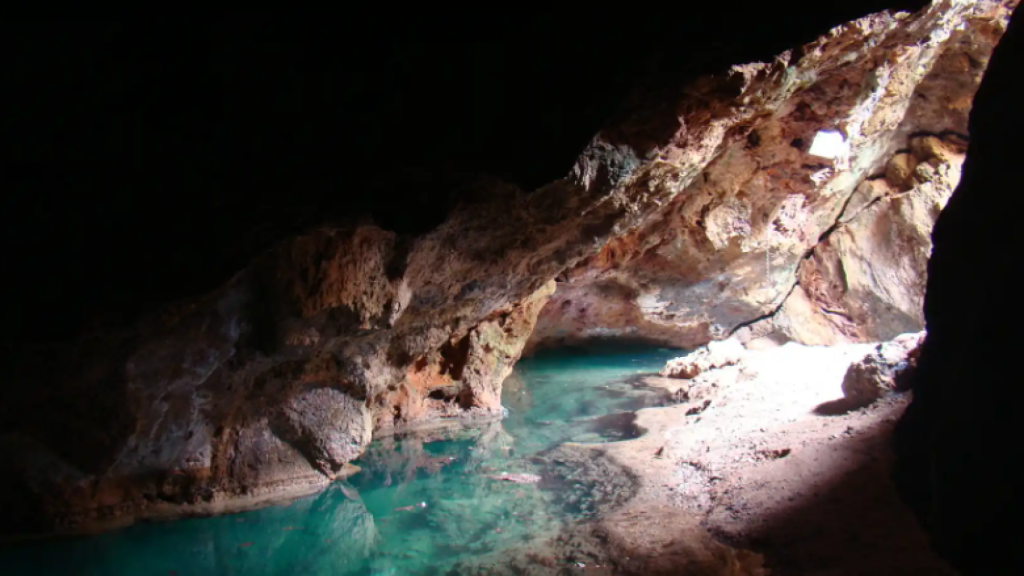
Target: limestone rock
[(263, 387), (732, 246), (881, 371), (865, 281), (900, 169), (333, 426), (714, 355)]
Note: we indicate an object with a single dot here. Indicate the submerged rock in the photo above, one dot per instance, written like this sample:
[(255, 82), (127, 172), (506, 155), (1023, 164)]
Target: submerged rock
[(521, 478), (685, 217)]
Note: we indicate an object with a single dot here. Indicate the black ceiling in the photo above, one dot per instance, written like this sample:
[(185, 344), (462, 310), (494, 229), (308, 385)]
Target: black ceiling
[(138, 156)]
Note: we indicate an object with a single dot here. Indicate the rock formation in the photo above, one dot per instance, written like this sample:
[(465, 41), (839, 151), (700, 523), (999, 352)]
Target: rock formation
[(865, 280), (695, 210), (958, 440), (714, 355), (819, 217), (762, 467), (887, 368)]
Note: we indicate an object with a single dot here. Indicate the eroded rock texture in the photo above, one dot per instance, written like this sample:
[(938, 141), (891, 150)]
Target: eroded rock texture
[(714, 355), (838, 238), (886, 369), (865, 280), (269, 385)]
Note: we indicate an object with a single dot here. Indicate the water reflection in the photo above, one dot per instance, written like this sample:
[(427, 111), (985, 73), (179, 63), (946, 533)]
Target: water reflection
[(423, 502), (325, 534)]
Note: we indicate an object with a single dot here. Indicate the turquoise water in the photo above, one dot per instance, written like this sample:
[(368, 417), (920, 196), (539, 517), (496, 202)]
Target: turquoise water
[(423, 503)]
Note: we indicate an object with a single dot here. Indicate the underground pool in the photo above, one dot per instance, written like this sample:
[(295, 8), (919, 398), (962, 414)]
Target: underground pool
[(433, 502)]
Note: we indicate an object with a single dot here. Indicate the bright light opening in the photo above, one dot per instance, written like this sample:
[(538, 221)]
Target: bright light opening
[(829, 144)]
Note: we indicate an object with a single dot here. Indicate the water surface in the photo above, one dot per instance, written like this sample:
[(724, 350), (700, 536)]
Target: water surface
[(422, 504)]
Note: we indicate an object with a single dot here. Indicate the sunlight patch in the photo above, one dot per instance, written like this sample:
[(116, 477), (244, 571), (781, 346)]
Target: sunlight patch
[(829, 144)]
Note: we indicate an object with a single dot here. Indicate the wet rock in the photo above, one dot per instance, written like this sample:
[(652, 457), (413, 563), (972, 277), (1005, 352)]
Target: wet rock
[(585, 480), (264, 386), (330, 425), (516, 478)]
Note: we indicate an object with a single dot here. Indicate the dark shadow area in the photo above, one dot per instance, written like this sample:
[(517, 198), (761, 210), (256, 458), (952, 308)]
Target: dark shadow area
[(148, 161), (846, 520), (600, 346), (250, 543), (616, 427), (837, 407), (841, 406), (956, 440)]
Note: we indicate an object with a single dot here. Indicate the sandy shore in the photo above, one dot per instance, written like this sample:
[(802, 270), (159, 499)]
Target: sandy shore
[(761, 470)]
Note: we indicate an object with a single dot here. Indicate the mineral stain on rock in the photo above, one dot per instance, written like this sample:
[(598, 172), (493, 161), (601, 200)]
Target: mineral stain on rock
[(789, 246), (734, 211), (470, 495)]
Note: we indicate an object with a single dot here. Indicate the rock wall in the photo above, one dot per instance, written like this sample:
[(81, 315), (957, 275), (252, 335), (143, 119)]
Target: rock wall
[(831, 242), (958, 438), (271, 385), (268, 386), (865, 280)]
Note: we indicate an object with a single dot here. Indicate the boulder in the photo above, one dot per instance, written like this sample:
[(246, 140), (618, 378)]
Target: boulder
[(714, 355), (883, 370)]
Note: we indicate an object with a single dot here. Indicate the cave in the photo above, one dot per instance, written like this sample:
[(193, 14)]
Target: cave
[(657, 289)]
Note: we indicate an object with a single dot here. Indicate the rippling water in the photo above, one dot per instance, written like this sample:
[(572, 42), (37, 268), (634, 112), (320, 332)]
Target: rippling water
[(423, 503)]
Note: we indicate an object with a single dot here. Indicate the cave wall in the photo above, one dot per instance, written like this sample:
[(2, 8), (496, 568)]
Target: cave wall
[(865, 279), (268, 385), (779, 243), (958, 440)]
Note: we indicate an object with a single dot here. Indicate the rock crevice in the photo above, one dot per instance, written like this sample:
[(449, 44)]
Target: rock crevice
[(683, 218), (761, 233)]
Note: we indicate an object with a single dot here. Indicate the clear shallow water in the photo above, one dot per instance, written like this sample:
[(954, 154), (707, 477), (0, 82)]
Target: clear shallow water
[(423, 503)]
